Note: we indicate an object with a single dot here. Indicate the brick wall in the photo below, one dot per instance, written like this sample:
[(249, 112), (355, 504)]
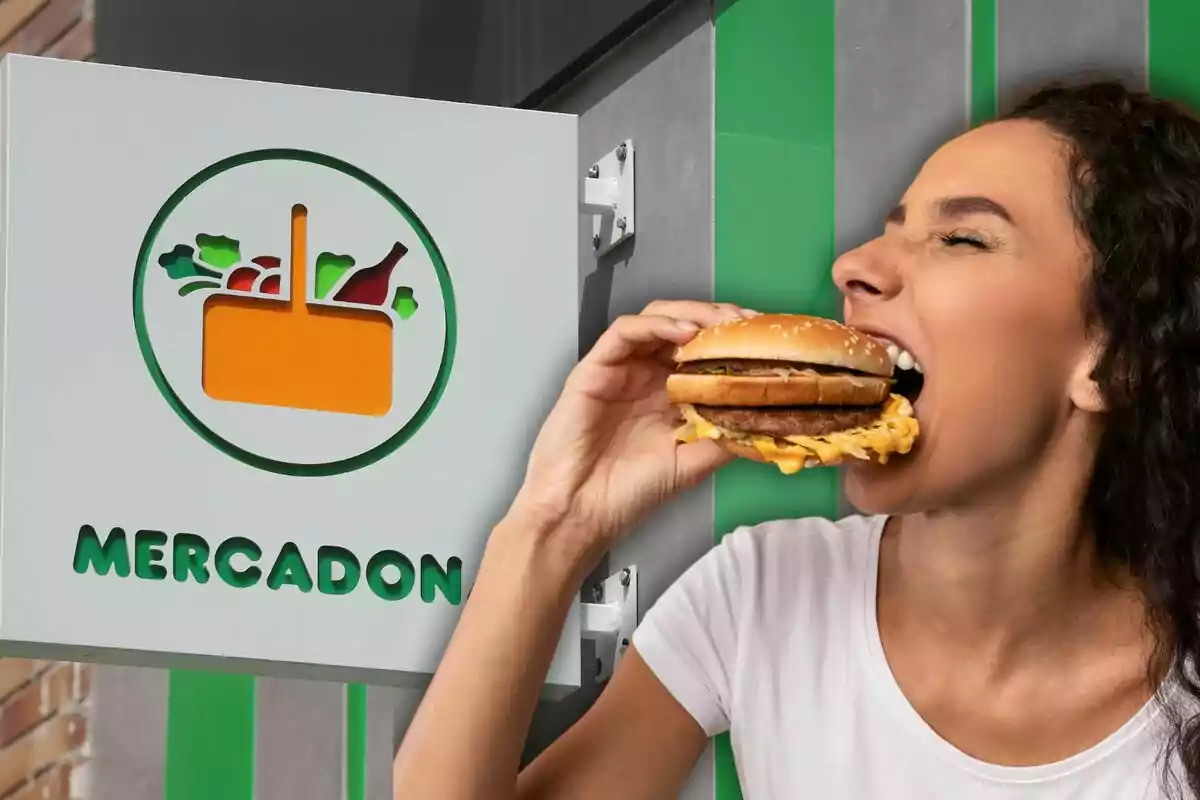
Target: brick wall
[(43, 729), (43, 725), (58, 28)]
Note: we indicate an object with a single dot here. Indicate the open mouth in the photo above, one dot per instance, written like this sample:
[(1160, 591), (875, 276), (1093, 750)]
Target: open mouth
[(909, 383), (909, 374)]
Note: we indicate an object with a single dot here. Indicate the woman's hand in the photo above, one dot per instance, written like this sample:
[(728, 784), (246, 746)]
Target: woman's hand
[(606, 453)]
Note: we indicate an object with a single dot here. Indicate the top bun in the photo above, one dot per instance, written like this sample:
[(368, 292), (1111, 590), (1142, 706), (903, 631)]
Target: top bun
[(789, 337)]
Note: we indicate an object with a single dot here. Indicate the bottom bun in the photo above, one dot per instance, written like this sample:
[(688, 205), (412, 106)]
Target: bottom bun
[(894, 432)]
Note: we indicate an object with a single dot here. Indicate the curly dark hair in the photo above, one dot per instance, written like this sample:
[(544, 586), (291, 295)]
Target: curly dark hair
[(1134, 166)]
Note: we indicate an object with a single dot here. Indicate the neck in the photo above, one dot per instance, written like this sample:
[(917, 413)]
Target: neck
[(1013, 573)]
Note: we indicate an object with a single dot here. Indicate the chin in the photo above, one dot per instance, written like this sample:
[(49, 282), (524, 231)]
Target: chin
[(892, 488)]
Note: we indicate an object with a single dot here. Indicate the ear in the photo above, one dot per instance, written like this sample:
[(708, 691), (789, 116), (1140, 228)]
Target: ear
[(1084, 392)]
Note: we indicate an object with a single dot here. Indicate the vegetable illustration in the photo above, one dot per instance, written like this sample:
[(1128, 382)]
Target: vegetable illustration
[(403, 304), (241, 279), (218, 251), (180, 262), (269, 284), (331, 353), (215, 263), (330, 269)]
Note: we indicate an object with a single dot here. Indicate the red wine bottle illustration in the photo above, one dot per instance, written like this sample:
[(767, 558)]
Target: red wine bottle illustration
[(369, 285)]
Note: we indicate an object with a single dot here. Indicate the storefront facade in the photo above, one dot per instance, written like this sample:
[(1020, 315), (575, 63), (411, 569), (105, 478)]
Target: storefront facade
[(771, 135)]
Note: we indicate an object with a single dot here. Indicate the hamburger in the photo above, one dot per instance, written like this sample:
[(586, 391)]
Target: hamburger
[(792, 390)]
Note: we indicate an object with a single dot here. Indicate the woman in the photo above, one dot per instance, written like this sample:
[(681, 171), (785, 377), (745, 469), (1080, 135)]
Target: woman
[(1013, 620)]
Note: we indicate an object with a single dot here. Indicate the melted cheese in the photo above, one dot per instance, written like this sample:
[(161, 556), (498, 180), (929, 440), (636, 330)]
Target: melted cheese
[(894, 432)]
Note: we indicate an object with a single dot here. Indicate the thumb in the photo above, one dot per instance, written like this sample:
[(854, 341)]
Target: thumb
[(695, 461)]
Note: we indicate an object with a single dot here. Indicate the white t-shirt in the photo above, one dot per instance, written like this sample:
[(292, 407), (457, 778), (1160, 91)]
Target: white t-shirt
[(772, 636)]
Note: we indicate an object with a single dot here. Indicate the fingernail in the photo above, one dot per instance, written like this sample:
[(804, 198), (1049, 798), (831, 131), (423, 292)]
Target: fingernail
[(749, 312), (687, 325)]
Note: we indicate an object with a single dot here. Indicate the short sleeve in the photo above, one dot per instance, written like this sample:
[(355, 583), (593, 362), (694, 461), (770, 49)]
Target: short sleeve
[(689, 638)]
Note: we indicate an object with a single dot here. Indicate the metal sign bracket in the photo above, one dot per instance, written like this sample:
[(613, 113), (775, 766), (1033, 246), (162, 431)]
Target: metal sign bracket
[(608, 196), (610, 619)]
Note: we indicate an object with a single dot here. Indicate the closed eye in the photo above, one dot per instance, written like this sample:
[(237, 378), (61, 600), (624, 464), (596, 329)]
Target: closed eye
[(954, 239)]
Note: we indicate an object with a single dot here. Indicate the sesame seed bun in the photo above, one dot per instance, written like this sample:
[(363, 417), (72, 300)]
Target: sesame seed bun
[(795, 338)]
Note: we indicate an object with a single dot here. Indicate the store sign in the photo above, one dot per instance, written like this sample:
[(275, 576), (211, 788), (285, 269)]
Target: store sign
[(273, 359)]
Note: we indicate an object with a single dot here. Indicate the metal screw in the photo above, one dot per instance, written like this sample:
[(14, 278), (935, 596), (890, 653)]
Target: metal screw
[(596, 242), (622, 152), (625, 576), (624, 644), (594, 172), (621, 224), (597, 594)]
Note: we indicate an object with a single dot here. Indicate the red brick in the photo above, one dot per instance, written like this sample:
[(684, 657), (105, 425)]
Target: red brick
[(48, 694), (55, 784), (54, 20), (50, 742), (15, 13), (77, 44), (22, 711), (15, 673)]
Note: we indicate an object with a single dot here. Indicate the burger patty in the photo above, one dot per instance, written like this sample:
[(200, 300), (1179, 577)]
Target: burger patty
[(743, 366), (790, 421)]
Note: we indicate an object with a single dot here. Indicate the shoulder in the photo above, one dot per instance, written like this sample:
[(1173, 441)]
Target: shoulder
[(805, 534), (793, 566), (790, 548), (780, 565), (763, 585)]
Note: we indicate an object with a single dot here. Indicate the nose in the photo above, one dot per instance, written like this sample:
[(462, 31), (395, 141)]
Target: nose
[(868, 273)]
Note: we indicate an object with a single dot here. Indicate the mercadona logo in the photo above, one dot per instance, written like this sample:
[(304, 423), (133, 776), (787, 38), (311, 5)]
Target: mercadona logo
[(294, 312)]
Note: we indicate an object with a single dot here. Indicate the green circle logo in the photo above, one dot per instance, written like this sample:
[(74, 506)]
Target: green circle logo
[(295, 312)]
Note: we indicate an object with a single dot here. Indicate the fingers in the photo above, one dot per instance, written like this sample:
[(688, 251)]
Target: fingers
[(663, 322), (695, 461), (703, 314), (639, 334), (663, 325)]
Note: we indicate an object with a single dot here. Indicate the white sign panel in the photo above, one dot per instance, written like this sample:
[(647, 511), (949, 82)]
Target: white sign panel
[(273, 358)]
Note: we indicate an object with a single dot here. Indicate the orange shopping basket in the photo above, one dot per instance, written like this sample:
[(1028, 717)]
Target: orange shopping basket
[(289, 353)]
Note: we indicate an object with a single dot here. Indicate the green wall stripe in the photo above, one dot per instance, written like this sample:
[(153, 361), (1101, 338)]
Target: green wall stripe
[(774, 151), (356, 741), (983, 60), (1174, 65), (210, 736)]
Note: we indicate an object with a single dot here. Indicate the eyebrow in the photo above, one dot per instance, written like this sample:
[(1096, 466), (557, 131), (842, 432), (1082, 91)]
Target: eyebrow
[(955, 207)]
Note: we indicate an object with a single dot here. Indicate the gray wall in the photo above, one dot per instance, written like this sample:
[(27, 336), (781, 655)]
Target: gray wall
[(127, 718), (657, 88), (1038, 41), (901, 91)]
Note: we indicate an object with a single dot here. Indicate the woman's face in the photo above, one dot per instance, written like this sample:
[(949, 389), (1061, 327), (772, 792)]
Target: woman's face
[(978, 274)]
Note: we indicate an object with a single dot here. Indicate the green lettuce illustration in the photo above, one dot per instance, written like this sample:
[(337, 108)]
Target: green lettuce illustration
[(403, 303), (181, 263), (330, 269), (220, 252)]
